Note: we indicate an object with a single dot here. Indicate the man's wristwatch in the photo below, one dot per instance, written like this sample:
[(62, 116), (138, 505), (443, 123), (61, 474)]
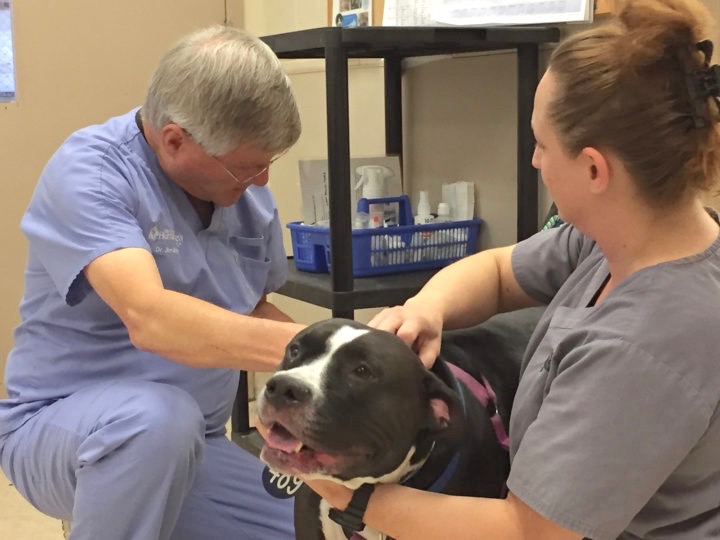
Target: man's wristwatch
[(351, 519)]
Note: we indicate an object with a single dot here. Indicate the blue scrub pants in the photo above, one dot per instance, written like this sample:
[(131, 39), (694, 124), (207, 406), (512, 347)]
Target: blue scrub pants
[(129, 460)]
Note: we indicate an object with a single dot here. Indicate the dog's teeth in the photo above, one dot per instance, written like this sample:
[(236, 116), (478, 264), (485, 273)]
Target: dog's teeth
[(298, 447)]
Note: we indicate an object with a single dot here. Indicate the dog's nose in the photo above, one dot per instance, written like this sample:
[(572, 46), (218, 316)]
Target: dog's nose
[(284, 391)]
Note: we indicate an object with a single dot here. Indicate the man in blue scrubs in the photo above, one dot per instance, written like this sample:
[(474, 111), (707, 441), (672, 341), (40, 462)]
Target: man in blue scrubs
[(153, 242)]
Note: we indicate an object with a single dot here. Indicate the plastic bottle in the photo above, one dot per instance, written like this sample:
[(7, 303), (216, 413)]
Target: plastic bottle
[(372, 180), (421, 239), (423, 210), (443, 237), (443, 213), (362, 220), (377, 216)]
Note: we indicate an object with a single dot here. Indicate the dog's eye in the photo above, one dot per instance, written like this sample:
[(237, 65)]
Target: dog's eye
[(362, 371), (293, 351)]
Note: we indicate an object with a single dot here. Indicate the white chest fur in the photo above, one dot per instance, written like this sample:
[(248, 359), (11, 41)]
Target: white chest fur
[(332, 530)]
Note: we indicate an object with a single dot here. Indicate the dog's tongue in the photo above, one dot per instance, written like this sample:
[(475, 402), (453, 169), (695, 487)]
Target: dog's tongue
[(280, 438)]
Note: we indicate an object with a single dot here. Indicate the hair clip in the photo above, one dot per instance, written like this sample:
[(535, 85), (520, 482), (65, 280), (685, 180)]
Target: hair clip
[(706, 47), (702, 84)]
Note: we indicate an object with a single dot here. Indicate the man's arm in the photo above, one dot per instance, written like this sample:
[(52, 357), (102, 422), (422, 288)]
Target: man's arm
[(267, 310), (180, 327)]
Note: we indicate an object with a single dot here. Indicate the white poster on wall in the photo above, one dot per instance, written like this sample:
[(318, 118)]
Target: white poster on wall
[(408, 13), (485, 12)]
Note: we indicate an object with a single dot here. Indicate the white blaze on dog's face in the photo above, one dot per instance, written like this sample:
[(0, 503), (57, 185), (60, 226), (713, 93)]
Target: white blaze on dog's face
[(351, 403)]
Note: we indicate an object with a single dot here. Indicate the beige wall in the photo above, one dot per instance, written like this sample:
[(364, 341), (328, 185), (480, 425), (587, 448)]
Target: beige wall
[(77, 62)]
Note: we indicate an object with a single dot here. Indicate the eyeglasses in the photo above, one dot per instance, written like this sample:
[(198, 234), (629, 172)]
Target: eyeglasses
[(246, 179)]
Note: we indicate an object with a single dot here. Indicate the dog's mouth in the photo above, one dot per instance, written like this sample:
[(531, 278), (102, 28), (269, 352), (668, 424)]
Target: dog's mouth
[(280, 439), (287, 454)]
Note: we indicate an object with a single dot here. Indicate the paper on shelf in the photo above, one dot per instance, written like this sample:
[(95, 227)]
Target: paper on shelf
[(460, 196), (464, 200), (449, 196)]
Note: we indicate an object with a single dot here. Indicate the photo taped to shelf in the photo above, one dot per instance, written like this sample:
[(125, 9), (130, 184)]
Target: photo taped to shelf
[(351, 13)]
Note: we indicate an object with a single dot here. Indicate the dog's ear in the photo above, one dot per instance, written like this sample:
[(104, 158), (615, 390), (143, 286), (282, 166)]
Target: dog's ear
[(444, 409)]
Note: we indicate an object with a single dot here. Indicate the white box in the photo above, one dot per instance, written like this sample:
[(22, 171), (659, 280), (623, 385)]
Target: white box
[(314, 185)]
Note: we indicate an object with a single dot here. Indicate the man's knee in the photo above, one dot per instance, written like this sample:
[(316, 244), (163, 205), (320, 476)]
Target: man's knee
[(149, 418), (104, 434)]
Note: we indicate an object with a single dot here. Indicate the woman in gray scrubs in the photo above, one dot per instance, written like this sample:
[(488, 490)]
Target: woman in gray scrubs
[(615, 430)]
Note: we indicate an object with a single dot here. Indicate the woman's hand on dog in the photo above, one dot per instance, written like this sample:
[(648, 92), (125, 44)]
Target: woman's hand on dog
[(419, 326)]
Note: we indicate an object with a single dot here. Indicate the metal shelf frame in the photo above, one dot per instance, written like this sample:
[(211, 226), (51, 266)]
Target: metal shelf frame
[(341, 292)]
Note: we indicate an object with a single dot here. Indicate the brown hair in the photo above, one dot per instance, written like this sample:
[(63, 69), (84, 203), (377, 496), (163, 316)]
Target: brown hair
[(623, 86)]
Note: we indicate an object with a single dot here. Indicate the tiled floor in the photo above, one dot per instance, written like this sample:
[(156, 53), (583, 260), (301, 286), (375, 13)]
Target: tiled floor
[(20, 521)]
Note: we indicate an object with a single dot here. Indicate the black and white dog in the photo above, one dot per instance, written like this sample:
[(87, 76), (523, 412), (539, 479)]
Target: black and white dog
[(355, 405)]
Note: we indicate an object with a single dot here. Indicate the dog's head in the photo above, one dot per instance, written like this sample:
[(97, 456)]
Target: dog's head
[(353, 404)]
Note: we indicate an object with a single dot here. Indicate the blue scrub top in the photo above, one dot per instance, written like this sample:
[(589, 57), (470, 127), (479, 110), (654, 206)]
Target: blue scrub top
[(104, 190)]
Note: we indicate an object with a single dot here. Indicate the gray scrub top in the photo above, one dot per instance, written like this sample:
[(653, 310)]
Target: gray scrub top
[(614, 430)]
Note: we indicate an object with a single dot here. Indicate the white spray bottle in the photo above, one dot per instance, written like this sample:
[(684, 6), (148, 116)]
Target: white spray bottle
[(372, 181)]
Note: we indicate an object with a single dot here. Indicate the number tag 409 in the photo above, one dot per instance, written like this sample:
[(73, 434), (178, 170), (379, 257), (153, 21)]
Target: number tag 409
[(280, 486)]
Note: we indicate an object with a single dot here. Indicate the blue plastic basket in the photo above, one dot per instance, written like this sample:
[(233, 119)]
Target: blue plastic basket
[(388, 250)]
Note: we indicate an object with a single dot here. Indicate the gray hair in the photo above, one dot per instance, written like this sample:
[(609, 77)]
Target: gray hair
[(225, 88)]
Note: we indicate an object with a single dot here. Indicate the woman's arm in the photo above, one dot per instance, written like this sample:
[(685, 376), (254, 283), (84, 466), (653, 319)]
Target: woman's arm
[(406, 513), (460, 295)]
